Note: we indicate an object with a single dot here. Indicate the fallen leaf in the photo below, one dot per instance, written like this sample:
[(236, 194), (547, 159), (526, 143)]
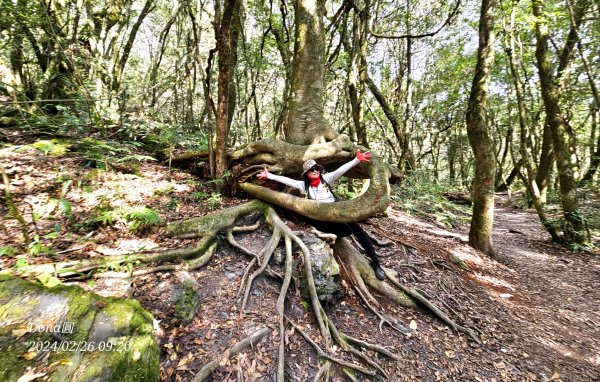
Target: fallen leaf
[(19, 332), (30, 355), (555, 375), (30, 377), (413, 325)]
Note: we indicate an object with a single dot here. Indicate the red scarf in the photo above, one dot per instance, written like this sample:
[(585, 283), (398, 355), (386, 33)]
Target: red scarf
[(315, 182)]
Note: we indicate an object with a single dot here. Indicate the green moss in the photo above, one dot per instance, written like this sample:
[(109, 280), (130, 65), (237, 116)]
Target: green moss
[(187, 304), (124, 322)]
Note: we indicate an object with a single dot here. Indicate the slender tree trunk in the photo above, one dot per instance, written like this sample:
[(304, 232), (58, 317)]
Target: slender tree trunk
[(124, 56), (357, 73), (407, 161), (227, 40), (575, 230), (546, 163), (526, 156), (282, 39), (595, 157), (482, 221)]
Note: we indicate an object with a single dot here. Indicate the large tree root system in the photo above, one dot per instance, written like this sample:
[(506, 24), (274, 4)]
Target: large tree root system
[(355, 269)]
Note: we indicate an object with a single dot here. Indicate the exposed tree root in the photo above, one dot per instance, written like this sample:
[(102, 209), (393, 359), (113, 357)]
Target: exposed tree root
[(417, 295), (323, 354), (355, 269)]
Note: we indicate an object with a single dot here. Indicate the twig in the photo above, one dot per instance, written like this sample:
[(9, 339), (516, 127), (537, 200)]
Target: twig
[(14, 211), (435, 310), (322, 354), (251, 340), (281, 306)]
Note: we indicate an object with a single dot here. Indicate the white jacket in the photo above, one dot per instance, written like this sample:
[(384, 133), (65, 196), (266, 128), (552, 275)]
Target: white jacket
[(320, 193)]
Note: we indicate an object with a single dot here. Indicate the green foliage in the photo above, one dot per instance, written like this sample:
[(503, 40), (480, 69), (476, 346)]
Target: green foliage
[(37, 247), (164, 190), (138, 218), (419, 196), (136, 157), (214, 201), (198, 196), (52, 147), (7, 251), (93, 149), (21, 263), (54, 208)]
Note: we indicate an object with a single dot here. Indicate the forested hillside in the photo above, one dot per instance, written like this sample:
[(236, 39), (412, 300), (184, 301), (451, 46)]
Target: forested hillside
[(135, 142)]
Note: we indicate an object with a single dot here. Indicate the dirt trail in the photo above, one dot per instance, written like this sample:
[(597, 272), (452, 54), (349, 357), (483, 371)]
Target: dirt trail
[(555, 299)]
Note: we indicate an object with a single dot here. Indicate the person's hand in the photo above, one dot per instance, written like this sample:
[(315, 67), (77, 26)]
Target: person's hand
[(263, 174), (363, 157)]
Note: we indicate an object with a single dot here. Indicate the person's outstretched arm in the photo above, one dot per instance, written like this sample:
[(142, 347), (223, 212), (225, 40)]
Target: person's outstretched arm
[(297, 184), (331, 177)]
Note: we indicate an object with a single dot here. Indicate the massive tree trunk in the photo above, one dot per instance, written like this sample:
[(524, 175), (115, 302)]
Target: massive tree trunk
[(575, 230), (482, 221), (306, 122)]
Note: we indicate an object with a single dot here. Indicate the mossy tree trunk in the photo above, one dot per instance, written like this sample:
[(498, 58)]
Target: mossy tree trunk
[(574, 230), (227, 41), (482, 221), (306, 121)]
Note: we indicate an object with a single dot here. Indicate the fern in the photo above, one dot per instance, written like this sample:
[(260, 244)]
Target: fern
[(140, 218)]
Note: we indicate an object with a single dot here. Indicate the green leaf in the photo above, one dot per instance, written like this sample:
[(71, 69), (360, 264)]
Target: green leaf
[(7, 251), (21, 263), (65, 205)]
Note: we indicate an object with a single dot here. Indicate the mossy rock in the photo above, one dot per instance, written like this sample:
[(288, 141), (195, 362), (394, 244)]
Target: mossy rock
[(69, 334), (325, 271)]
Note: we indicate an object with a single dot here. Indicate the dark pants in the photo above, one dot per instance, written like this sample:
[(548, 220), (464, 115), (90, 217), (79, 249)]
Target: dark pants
[(347, 229)]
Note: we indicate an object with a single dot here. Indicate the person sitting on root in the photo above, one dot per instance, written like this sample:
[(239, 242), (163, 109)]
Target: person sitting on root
[(317, 186)]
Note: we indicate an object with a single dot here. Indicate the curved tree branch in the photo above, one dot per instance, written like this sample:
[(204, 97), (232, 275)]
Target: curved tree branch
[(428, 34)]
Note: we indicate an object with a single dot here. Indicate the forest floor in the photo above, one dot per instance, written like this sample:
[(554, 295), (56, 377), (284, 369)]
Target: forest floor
[(536, 308)]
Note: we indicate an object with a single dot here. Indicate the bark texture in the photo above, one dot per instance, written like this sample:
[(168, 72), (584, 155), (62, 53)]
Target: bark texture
[(306, 122), (574, 229), (482, 221)]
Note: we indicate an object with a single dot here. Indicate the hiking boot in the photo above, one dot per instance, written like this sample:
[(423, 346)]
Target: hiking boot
[(378, 270)]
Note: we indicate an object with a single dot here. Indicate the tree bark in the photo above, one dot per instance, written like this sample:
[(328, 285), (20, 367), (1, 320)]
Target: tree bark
[(482, 221), (575, 230), (306, 122), (227, 40), (526, 156)]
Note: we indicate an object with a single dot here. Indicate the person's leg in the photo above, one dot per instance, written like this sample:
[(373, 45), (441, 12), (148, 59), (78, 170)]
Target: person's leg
[(338, 229), (364, 240)]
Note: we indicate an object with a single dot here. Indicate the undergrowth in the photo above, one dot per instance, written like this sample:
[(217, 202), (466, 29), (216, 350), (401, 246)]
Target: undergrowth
[(420, 196), (138, 217)]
